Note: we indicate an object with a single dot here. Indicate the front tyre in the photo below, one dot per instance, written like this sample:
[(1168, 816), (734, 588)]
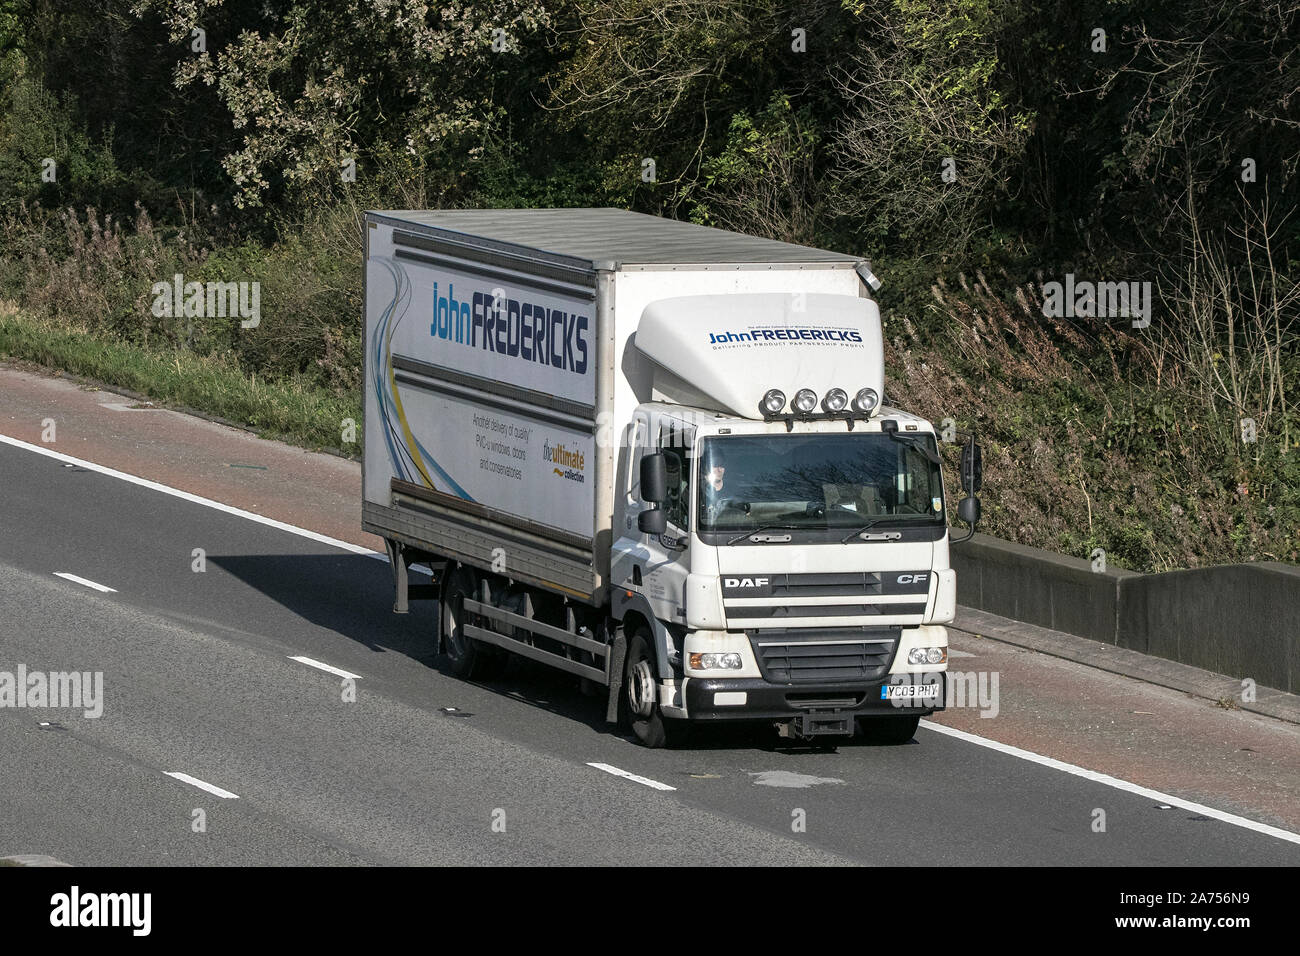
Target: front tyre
[(641, 696)]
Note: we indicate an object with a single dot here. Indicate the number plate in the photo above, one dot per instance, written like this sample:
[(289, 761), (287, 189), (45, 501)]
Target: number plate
[(908, 691)]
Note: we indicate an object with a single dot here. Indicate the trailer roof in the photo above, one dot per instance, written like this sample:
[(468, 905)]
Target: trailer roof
[(613, 235)]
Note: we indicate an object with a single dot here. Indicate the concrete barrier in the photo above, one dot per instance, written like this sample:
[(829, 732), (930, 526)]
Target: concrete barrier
[(1037, 587), (1242, 620)]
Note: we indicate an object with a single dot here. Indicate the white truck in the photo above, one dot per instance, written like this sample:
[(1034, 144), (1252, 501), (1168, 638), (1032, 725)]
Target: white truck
[(655, 455)]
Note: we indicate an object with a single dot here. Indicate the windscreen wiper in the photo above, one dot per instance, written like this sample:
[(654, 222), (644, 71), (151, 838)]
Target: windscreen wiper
[(766, 527), (870, 524), (921, 445)]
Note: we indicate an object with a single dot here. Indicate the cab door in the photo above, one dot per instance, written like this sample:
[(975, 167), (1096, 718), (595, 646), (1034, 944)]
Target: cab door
[(628, 553), (668, 555)]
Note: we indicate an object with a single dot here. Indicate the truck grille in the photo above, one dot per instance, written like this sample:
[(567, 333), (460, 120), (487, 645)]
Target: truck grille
[(852, 583), (835, 655), (755, 600), (755, 611)]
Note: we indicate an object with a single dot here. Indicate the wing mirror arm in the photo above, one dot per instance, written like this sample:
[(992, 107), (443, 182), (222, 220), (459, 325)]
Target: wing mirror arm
[(972, 479)]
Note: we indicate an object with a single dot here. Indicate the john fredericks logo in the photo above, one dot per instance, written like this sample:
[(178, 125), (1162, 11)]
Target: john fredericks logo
[(784, 334), (573, 462)]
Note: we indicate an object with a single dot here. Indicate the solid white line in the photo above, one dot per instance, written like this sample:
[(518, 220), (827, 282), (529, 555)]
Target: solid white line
[(1117, 783), (90, 584), (202, 785), (325, 667), (631, 776), (195, 499), (953, 652)]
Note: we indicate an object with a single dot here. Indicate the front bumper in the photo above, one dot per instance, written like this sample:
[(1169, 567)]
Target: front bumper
[(710, 698)]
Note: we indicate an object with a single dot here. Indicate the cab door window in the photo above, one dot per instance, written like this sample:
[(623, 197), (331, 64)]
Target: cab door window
[(675, 441)]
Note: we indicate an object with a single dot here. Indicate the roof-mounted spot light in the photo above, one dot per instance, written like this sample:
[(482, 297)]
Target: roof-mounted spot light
[(773, 401), (865, 401)]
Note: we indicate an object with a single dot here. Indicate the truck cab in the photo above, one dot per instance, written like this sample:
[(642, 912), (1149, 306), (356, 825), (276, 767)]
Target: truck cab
[(801, 575), (791, 564)]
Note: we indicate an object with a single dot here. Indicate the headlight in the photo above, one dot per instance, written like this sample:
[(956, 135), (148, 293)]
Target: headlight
[(714, 662), (927, 655), (866, 400), (805, 400), (835, 400), (773, 401)]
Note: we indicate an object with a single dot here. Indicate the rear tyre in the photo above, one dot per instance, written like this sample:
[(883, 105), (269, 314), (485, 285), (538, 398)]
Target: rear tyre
[(891, 730), (469, 658), (641, 696)]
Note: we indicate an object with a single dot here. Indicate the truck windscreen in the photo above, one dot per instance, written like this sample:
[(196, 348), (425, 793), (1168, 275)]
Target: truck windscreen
[(821, 482)]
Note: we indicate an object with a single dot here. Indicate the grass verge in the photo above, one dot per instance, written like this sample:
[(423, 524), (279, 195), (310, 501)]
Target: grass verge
[(289, 411)]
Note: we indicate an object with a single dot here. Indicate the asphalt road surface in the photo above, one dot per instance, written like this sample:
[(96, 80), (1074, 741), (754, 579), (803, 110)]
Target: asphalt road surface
[(200, 679)]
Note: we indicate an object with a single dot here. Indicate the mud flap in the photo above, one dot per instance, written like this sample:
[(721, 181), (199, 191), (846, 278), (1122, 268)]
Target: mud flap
[(617, 658)]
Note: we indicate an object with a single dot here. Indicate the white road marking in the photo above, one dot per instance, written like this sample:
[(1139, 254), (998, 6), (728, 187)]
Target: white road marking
[(325, 667), (206, 502), (202, 785), (1118, 784), (655, 784), (79, 580), (195, 499), (953, 652)]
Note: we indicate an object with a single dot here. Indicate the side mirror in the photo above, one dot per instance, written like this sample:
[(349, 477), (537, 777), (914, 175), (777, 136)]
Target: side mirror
[(654, 479), (972, 468), (968, 510), (652, 521)]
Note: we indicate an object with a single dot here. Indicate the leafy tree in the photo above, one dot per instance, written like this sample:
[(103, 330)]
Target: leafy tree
[(46, 154), (317, 85), (928, 145), (764, 180)]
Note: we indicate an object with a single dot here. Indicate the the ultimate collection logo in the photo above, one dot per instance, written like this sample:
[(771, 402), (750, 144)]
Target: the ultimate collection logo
[(573, 462)]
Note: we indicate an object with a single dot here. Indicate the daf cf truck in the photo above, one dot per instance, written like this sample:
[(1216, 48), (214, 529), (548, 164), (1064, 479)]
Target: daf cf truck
[(656, 456)]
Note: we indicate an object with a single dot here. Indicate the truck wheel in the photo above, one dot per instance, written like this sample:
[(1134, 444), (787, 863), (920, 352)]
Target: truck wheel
[(640, 689), (469, 658), (894, 729)]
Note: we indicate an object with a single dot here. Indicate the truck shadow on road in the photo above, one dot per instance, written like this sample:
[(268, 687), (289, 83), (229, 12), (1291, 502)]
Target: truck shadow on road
[(557, 693), (351, 595)]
